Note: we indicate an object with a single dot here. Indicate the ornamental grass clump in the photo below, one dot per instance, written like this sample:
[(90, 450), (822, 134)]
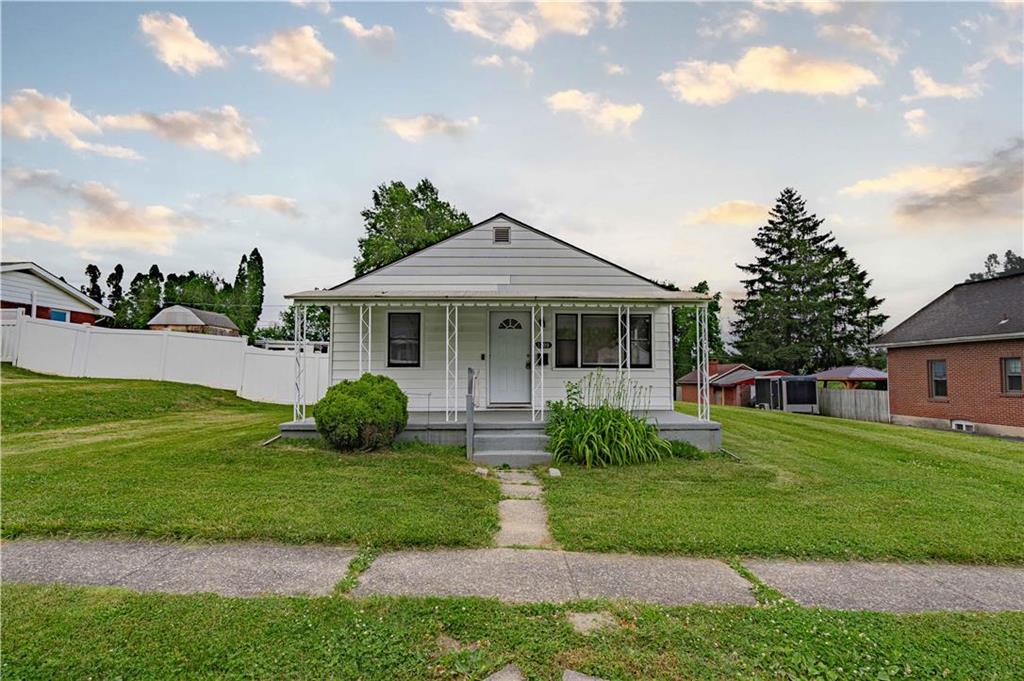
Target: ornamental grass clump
[(364, 414), (602, 422)]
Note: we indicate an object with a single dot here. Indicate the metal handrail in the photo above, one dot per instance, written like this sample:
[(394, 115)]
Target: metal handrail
[(470, 411)]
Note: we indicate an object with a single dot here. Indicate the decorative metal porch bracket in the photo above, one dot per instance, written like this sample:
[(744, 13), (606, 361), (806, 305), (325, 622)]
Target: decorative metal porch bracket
[(451, 364), (299, 406)]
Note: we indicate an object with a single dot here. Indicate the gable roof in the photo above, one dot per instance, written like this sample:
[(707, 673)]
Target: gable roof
[(190, 316), (990, 309), (469, 264), (723, 369), (852, 373), (745, 376), (56, 282)]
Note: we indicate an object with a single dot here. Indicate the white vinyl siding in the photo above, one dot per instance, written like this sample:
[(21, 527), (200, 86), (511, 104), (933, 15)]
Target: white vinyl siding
[(17, 287), (530, 263), (428, 378)]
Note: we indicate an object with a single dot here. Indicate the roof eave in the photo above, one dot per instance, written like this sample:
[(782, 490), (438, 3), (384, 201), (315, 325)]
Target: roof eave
[(327, 296), (1014, 335)]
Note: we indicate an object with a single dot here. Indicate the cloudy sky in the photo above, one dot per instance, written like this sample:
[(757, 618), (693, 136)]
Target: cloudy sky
[(655, 135)]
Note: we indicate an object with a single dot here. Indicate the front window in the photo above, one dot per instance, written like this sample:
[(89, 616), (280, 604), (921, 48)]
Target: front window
[(58, 315), (939, 382), (404, 339), (599, 340), (566, 340), (1012, 375), (592, 340)]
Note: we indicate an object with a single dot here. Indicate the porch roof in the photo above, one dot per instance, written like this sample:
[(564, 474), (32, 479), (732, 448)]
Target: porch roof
[(476, 297)]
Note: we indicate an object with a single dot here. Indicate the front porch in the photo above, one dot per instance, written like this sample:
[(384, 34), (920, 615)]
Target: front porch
[(511, 436)]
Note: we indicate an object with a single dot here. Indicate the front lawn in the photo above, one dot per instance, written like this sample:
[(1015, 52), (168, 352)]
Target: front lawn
[(162, 460), (55, 631), (807, 487)]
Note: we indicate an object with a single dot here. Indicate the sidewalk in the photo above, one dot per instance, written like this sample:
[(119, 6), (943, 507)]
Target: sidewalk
[(514, 575)]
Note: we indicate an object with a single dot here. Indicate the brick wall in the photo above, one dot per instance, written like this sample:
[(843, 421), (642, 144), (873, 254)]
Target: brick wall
[(974, 383)]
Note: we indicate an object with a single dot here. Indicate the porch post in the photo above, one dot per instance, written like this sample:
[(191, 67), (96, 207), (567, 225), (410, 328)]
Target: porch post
[(451, 363), (299, 405), (537, 363), (703, 378), (365, 337), (625, 361)]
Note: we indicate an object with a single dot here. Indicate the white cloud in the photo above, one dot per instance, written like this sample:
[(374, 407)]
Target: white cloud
[(29, 114), (520, 26), (926, 87), (17, 228), (614, 69), (865, 103), (1001, 36), (734, 25), (378, 34), (512, 63), (861, 38), (415, 128), (918, 179), (738, 212), (917, 122), (220, 130), (600, 114), (177, 45), (282, 205), (297, 55), (816, 7), (322, 6), (772, 69)]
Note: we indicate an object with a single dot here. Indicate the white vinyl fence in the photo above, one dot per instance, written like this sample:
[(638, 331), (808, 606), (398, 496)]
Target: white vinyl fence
[(860, 405), (215, 361), (9, 334)]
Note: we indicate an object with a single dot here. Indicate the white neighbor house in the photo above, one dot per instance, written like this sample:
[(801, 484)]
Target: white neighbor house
[(481, 299)]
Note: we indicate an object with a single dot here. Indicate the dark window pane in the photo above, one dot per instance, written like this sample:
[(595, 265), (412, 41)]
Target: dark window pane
[(939, 388), (599, 340), (640, 340), (939, 369), (565, 327), (565, 340), (404, 339), (1014, 384)]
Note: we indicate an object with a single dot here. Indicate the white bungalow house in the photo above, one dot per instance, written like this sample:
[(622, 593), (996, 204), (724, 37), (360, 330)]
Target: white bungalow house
[(506, 313)]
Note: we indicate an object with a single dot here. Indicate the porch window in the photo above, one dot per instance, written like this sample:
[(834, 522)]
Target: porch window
[(599, 340), (640, 341), (403, 339), (566, 340), (1012, 375), (937, 379)]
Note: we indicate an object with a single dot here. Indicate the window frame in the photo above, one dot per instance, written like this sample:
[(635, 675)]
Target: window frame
[(419, 341), (66, 313), (1004, 375), (580, 364), (932, 394), (575, 340)]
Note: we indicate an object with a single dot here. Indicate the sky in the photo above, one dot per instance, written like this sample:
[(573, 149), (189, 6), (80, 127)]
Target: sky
[(655, 135)]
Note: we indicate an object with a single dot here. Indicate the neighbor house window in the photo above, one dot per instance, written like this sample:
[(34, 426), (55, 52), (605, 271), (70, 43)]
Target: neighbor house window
[(403, 339), (938, 382), (58, 315), (566, 340), (1012, 375)]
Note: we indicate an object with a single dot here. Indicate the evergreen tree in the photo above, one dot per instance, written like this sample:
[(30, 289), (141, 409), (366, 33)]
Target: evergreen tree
[(807, 305), (404, 220), (93, 290), (255, 283), (115, 297)]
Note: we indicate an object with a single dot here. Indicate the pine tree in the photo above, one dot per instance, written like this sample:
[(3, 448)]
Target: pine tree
[(255, 282), (93, 290), (807, 305), (115, 297)]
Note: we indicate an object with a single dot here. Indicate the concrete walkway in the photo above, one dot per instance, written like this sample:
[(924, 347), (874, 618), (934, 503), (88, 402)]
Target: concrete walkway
[(523, 517), (225, 569), (513, 575)]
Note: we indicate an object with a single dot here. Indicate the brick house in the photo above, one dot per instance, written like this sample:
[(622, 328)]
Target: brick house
[(956, 363), (730, 384), (40, 294)]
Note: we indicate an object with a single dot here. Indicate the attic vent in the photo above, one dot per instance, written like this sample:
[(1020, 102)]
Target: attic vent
[(502, 235)]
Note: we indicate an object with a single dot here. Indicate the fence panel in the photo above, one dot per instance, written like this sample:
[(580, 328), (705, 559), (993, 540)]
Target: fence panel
[(860, 405), (9, 333), (269, 376)]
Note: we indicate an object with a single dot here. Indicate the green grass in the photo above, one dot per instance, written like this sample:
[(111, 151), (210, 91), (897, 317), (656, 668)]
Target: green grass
[(807, 487), (163, 460), (64, 632)]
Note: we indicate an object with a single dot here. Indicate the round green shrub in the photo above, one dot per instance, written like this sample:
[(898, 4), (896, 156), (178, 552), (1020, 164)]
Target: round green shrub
[(363, 414)]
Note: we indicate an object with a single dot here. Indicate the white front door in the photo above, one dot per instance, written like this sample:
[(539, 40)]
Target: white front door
[(509, 381)]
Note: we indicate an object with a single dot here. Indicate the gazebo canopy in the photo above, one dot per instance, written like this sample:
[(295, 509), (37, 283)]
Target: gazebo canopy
[(852, 374)]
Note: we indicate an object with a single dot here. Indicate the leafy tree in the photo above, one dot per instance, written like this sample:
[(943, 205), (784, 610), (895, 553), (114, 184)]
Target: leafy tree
[(993, 268), (93, 290), (205, 291), (145, 297), (115, 298), (684, 331), (807, 305), (318, 321), (252, 300), (404, 220)]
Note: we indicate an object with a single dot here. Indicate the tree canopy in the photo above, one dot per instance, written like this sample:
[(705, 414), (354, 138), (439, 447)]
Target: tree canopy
[(807, 304), (993, 268), (404, 220)]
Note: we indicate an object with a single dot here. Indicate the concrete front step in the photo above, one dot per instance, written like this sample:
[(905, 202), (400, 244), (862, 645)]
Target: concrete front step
[(516, 458), (490, 441)]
